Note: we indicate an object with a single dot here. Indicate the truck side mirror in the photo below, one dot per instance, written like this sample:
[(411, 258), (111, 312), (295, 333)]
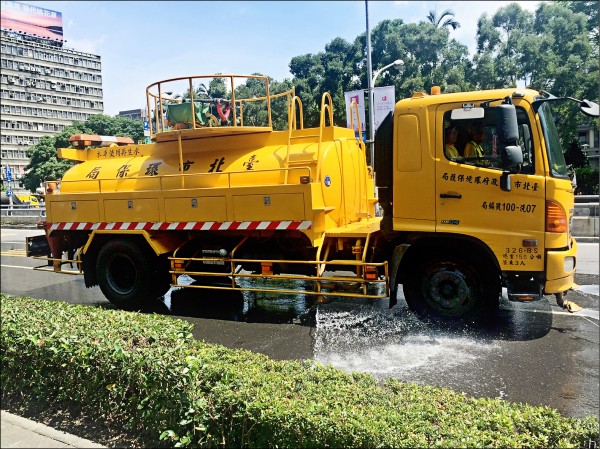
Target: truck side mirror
[(589, 108), (512, 156), (507, 131)]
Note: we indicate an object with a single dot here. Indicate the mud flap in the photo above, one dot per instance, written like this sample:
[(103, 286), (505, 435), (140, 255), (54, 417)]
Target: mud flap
[(37, 245), (399, 252), (56, 248), (572, 307), (569, 305)]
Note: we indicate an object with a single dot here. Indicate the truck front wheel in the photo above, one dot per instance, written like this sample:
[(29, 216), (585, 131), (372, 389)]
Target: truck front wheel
[(450, 288), (125, 273)]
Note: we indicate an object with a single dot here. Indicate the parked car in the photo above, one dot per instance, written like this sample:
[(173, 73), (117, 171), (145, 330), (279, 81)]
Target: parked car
[(32, 200)]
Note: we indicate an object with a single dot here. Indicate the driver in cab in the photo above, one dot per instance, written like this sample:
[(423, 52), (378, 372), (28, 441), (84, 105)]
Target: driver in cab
[(473, 147)]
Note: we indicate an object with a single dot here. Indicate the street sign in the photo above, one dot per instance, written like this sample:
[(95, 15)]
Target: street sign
[(8, 173), (9, 193)]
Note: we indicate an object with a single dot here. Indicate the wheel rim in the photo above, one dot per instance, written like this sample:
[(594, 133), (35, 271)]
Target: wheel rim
[(449, 289), (121, 274)]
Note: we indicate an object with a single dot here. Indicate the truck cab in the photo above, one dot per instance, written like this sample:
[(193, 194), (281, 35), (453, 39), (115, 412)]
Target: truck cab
[(469, 223)]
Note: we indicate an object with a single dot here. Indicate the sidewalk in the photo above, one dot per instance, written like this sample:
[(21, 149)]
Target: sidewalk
[(20, 432)]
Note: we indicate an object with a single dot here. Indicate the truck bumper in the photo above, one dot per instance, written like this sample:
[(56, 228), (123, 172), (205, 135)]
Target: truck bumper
[(560, 269)]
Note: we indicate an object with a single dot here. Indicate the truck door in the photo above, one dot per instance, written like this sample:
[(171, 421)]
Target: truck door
[(414, 168), (469, 197)]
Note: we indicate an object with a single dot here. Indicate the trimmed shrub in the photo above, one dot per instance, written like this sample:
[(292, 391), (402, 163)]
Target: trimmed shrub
[(587, 180), (146, 372)]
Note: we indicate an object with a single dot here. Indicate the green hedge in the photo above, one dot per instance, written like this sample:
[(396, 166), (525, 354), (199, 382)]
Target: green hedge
[(587, 180), (148, 374)]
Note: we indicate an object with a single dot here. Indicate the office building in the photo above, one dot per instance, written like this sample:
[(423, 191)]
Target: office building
[(134, 114), (44, 87)]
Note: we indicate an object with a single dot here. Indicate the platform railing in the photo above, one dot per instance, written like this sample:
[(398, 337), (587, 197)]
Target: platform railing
[(159, 94)]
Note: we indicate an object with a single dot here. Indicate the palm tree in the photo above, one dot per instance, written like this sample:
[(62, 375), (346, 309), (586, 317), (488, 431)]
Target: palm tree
[(440, 22)]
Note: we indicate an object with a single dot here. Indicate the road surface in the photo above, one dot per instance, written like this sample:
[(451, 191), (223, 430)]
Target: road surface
[(534, 353)]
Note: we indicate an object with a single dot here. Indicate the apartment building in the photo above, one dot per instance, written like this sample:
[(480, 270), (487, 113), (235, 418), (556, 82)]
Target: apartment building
[(43, 88)]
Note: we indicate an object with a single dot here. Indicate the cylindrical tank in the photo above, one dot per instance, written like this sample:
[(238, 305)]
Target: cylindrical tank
[(260, 159)]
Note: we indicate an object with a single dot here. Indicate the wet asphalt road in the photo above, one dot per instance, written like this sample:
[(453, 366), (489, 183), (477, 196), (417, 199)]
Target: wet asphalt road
[(534, 353)]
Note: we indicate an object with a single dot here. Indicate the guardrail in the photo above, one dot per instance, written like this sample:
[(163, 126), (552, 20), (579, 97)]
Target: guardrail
[(18, 208), (22, 214), (586, 221), (587, 205)]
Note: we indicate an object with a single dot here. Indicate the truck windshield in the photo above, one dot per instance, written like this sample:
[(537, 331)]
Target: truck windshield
[(556, 159)]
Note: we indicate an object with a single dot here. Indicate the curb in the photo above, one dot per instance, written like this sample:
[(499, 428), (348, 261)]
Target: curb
[(34, 434)]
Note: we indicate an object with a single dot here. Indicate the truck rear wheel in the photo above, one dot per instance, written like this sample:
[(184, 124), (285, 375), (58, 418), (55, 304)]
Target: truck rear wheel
[(125, 273), (450, 288)]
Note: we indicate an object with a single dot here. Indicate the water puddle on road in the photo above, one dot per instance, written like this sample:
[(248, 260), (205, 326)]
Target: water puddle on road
[(367, 336), (383, 342)]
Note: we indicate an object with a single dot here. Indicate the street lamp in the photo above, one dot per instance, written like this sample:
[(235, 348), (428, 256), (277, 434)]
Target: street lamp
[(398, 63)]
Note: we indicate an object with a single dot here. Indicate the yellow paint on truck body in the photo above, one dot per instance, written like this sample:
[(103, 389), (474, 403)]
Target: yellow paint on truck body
[(242, 174), (435, 194), (238, 177)]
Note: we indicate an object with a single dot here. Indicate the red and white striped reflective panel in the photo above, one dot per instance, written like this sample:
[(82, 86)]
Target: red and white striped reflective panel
[(183, 226)]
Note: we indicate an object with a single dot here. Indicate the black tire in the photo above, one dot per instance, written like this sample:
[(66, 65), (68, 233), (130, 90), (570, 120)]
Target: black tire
[(448, 288), (126, 273)]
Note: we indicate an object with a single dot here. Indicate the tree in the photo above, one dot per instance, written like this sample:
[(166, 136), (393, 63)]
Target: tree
[(217, 88), (333, 71), (112, 126), (548, 50), (430, 58), (445, 19), (590, 9), (44, 164), (255, 111), (567, 64), (488, 37), (502, 38)]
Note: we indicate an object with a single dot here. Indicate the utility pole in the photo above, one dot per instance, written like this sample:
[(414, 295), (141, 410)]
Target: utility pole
[(370, 90)]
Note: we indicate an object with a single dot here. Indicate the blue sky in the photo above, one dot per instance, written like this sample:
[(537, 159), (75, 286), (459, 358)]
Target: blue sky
[(142, 42)]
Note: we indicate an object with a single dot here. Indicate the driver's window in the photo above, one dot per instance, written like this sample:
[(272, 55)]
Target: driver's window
[(525, 142), (474, 142)]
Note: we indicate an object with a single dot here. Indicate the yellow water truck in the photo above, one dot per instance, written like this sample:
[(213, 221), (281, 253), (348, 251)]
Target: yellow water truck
[(233, 186)]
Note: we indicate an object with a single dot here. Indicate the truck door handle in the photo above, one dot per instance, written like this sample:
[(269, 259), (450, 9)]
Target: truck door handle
[(451, 195)]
